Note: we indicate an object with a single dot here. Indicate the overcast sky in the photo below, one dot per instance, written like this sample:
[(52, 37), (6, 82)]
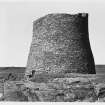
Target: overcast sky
[(16, 20)]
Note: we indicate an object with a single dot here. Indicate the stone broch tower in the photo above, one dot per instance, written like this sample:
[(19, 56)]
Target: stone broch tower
[(60, 44)]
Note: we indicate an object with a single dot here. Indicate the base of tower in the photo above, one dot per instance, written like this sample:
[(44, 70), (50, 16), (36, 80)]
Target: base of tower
[(68, 88)]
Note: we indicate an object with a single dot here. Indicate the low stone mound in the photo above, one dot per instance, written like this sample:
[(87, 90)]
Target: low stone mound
[(65, 88), (71, 88)]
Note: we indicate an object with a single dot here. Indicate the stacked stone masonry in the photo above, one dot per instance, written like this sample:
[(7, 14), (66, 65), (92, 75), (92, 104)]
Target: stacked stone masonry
[(60, 44)]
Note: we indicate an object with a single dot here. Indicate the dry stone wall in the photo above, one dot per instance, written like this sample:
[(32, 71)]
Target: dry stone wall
[(60, 44)]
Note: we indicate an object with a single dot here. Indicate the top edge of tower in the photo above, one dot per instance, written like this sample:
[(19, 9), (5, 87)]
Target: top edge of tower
[(73, 14), (82, 15)]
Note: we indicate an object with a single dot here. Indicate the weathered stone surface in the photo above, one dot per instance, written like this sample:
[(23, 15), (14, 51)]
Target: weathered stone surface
[(64, 89), (15, 96), (12, 91), (100, 90), (60, 43), (68, 88)]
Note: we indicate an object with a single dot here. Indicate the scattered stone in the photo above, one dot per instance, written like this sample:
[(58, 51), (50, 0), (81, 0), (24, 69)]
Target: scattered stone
[(65, 90), (74, 89)]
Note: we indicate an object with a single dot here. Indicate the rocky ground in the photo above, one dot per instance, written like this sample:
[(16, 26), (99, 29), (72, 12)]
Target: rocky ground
[(52, 87), (64, 88)]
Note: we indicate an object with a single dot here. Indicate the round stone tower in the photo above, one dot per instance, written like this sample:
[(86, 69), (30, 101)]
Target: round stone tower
[(60, 44)]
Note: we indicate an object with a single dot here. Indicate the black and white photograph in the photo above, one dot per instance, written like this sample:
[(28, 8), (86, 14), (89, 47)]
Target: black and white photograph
[(52, 51)]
